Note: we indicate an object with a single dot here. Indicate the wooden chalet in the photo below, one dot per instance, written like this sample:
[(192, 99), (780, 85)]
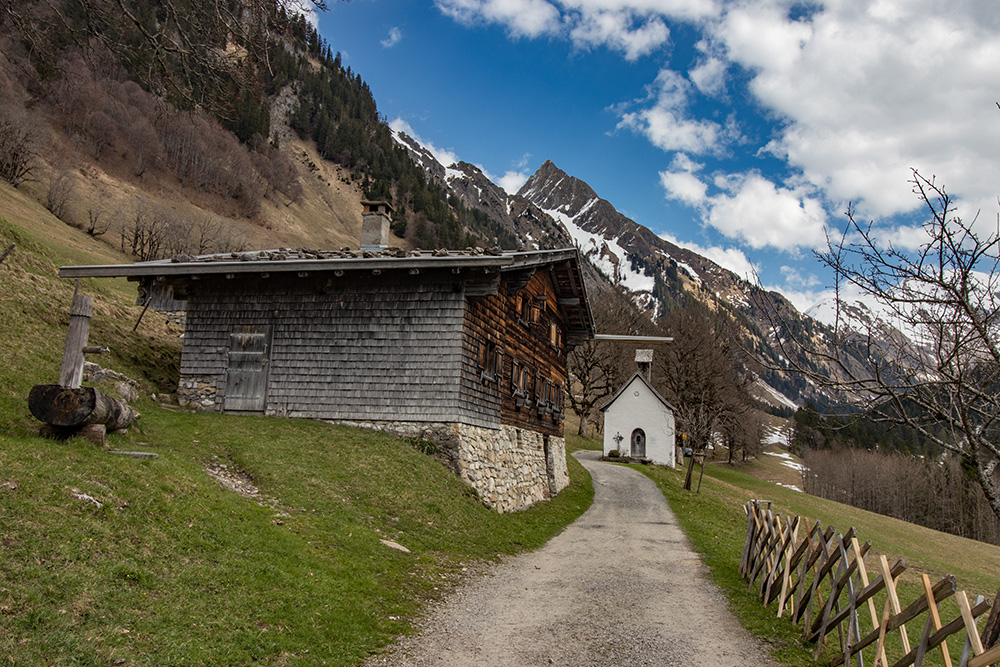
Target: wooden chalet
[(467, 349)]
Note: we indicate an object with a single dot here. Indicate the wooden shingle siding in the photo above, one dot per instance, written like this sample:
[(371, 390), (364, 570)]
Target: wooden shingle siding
[(387, 347), (494, 319)]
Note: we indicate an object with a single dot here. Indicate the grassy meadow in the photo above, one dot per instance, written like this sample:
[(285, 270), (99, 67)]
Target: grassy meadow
[(106, 559), (111, 560), (715, 523)]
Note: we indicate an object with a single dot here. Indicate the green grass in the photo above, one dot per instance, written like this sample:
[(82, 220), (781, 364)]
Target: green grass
[(715, 523), (175, 569)]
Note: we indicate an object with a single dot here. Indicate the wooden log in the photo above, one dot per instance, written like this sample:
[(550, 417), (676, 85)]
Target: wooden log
[(67, 407)]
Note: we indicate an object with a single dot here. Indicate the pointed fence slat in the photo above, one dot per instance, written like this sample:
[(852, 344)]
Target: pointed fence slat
[(822, 580)]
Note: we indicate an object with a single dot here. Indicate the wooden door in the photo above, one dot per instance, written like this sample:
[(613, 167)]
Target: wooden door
[(246, 374), (638, 443)]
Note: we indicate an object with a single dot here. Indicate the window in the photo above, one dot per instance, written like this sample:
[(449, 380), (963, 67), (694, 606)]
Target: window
[(557, 402), (536, 314), (555, 337), (518, 379), (489, 360), (519, 307)]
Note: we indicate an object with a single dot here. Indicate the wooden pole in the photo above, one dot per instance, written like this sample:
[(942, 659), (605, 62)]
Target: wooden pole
[(71, 371)]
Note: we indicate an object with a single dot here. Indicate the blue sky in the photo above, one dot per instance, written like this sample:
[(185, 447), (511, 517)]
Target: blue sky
[(739, 129)]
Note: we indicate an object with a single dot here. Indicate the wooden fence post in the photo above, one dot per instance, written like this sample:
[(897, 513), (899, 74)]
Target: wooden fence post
[(71, 371)]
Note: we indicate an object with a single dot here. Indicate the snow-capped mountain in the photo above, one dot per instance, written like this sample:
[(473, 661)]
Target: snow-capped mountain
[(553, 209)]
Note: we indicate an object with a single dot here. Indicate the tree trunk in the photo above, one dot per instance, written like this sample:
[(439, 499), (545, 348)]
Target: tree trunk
[(67, 407), (583, 431)]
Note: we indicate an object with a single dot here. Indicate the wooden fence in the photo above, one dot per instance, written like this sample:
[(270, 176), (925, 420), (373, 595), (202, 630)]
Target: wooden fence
[(818, 578)]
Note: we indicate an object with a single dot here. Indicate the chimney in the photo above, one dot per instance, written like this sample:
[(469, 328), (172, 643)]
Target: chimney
[(375, 225), (644, 359)]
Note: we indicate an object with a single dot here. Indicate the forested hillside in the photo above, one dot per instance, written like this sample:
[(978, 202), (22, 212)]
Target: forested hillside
[(155, 102)]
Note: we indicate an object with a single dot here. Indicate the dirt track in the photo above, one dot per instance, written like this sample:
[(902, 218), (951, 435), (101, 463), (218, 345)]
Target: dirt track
[(620, 586)]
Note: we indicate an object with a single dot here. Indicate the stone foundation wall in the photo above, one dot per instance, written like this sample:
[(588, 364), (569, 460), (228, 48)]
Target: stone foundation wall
[(198, 392), (508, 467)]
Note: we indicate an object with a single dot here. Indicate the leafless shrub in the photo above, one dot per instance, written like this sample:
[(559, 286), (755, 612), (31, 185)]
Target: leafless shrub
[(144, 231), (19, 143), (62, 190), (98, 220)]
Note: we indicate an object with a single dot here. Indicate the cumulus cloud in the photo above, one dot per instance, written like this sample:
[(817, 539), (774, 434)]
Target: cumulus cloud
[(393, 38), (615, 30), (684, 186), (728, 258), (445, 156), (709, 76), (522, 18), (851, 94), (762, 214), (512, 181), (667, 122), (870, 90)]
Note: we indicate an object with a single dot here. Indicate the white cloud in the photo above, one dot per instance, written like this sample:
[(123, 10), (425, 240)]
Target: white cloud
[(522, 18), (512, 181), (614, 29), (870, 90), (667, 123), (728, 258), (445, 156), (855, 93), (684, 187), (394, 37), (709, 76), (762, 214)]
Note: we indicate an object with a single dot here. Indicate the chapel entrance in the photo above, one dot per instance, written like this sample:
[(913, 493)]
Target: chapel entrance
[(638, 443)]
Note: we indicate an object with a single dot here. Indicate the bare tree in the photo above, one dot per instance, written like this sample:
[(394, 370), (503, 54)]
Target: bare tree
[(145, 231), (597, 369), (703, 373), (19, 143), (62, 188), (943, 379), (98, 220)]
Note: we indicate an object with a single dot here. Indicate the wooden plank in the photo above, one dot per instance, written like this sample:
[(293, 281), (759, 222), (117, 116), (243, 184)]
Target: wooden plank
[(786, 578), (942, 589), (869, 591), (863, 573), (779, 570), (890, 587), (935, 616), (941, 635), (970, 622), (987, 657)]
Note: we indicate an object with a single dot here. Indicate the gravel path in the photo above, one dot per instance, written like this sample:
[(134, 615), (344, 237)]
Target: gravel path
[(620, 586)]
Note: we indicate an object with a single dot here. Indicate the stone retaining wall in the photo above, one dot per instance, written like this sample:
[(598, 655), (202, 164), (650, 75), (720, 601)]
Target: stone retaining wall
[(198, 392), (510, 468)]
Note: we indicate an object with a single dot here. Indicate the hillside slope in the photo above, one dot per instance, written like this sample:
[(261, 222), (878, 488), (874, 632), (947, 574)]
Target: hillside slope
[(249, 540)]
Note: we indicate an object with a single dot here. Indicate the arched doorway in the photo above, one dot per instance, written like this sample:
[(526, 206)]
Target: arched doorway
[(638, 443)]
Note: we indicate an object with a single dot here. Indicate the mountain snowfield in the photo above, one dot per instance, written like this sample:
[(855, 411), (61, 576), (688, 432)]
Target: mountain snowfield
[(553, 209)]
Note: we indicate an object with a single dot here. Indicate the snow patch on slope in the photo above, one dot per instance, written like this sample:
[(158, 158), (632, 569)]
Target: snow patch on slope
[(597, 247)]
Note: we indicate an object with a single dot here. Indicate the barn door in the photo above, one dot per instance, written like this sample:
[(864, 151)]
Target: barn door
[(638, 443), (246, 374)]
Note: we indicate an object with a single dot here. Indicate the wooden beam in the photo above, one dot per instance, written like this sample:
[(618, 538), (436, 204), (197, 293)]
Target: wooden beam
[(633, 339)]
